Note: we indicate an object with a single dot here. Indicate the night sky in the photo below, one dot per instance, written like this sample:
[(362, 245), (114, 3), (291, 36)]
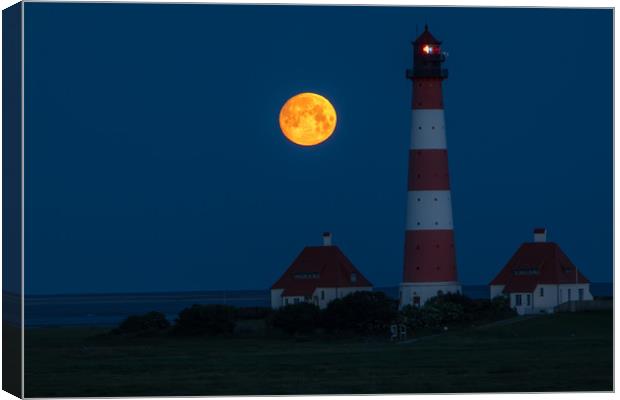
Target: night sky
[(154, 159)]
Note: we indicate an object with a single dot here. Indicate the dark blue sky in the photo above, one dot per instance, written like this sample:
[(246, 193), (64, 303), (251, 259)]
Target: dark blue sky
[(154, 160)]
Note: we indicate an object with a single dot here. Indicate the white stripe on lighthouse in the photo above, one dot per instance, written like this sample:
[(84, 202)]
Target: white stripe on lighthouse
[(428, 129), (429, 210)]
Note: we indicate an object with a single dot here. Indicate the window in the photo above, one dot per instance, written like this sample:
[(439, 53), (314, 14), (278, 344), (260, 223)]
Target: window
[(322, 294), (569, 294), (525, 271), (286, 301), (353, 277), (306, 275), (542, 292), (296, 300), (416, 301), (528, 299), (430, 49), (517, 300), (439, 292), (580, 294)]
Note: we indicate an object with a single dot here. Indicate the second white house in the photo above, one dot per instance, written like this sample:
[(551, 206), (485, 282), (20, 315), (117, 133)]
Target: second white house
[(539, 276)]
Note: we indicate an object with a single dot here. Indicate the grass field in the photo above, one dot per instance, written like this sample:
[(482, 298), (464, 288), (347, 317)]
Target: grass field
[(561, 352)]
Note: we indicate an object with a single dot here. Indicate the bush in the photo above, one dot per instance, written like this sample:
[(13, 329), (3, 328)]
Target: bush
[(302, 318), (433, 315), (445, 313), (491, 310), (500, 308), (212, 319), (455, 309), (143, 325), (412, 316), (253, 312), (364, 313)]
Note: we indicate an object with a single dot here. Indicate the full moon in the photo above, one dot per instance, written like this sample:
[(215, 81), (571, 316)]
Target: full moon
[(307, 119)]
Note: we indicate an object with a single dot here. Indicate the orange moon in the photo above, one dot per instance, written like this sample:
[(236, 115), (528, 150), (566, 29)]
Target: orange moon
[(307, 119)]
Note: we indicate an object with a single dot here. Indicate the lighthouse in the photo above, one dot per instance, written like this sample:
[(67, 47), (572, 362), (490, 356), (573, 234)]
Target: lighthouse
[(430, 263)]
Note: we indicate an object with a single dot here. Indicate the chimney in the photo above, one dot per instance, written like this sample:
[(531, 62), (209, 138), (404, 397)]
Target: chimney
[(327, 238), (540, 235)]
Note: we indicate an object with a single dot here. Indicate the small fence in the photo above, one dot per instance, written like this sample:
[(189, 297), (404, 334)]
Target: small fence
[(585, 305)]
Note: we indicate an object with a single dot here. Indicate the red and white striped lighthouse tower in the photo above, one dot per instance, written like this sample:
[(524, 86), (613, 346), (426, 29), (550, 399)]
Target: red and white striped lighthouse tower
[(430, 262)]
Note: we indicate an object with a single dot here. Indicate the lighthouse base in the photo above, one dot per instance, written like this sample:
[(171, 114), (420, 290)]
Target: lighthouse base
[(416, 294)]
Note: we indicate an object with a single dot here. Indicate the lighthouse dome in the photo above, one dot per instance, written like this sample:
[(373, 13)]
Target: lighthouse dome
[(426, 37)]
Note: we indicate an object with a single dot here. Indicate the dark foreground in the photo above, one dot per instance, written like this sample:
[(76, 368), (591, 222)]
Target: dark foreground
[(562, 352)]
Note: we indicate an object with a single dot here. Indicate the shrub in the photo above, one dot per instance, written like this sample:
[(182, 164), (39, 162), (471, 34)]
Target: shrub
[(455, 309), (443, 313), (500, 308), (143, 325), (302, 318), (364, 313), (492, 310), (253, 312), (412, 316), (212, 319)]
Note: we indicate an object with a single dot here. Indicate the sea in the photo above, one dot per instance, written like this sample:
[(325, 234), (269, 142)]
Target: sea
[(110, 309)]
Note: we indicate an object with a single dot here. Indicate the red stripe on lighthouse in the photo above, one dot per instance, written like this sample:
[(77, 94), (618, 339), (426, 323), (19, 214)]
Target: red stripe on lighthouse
[(427, 93), (428, 170), (429, 256)]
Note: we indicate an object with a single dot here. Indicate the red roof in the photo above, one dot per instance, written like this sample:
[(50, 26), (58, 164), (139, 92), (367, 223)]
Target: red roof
[(537, 263), (426, 37), (520, 286), (323, 266)]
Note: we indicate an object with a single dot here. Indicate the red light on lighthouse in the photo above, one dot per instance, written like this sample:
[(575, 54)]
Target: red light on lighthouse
[(430, 49)]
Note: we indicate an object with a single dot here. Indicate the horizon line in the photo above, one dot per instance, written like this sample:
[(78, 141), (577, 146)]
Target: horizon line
[(160, 292)]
